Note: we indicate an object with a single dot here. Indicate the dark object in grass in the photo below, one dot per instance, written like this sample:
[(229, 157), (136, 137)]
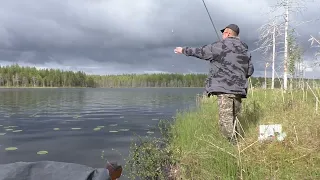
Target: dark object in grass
[(51, 170), (114, 169)]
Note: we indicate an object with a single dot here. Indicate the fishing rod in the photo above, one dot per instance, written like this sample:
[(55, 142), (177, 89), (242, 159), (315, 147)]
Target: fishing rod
[(211, 20)]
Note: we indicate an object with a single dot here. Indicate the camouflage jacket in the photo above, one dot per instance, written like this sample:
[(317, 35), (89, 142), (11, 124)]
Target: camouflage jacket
[(230, 65)]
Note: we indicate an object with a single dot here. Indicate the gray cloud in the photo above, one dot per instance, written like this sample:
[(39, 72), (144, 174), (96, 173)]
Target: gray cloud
[(120, 36)]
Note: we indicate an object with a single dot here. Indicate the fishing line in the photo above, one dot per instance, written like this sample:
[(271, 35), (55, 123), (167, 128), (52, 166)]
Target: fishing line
[(211, 20)]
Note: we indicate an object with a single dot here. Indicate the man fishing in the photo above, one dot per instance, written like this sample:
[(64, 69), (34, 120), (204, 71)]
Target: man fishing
[(230, 68)]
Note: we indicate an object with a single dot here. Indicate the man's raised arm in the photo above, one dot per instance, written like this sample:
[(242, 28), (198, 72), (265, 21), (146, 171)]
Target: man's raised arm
[(206, 52)]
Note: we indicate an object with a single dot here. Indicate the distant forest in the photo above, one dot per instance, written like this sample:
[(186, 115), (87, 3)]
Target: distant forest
[(19, 76)]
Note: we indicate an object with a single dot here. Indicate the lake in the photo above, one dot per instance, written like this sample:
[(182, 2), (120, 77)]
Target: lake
[(76, 125)]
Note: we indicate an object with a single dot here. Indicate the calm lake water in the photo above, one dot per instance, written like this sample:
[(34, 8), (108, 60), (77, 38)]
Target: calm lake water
[(122, 112)]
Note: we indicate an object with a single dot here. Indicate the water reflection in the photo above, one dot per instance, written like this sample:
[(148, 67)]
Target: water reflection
[(63, 121)]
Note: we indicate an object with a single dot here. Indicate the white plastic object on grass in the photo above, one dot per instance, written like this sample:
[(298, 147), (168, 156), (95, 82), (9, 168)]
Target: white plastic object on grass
[(270, 132)]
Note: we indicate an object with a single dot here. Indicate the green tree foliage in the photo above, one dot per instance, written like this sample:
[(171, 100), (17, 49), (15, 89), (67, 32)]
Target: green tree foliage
[(294, 52), (18, 76)]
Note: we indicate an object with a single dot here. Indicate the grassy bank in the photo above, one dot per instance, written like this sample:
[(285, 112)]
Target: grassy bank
[(196, 150)]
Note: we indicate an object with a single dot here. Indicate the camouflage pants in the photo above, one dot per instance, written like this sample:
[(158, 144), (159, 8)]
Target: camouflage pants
[(229, 107)]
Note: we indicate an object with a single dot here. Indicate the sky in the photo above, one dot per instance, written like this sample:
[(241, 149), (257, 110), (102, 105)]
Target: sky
[(122, 36)]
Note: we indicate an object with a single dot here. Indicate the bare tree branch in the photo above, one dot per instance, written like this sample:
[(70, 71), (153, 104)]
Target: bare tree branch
[(304, 22), (315, 42), (265, 41)]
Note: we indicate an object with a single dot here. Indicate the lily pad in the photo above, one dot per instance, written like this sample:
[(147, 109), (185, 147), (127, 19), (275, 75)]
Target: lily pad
[(9, 129), (76, 116), (42, 152), (17, 131), (2, 134), (12, 126), (11, 148), (123, 129), (113, 131), (97, 129), (75, 128), (113, 125), (150, 132), (100, 126), (33, 115), (76, 120), (56, 129)]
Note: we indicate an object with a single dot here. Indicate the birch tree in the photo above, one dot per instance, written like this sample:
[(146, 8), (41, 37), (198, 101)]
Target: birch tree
[(286, 8), (267, 41)]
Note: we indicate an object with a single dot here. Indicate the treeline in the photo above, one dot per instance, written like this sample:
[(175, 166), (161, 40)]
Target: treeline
[(18, 76)]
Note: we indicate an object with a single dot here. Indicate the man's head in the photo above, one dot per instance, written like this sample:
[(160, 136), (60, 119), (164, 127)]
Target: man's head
[(231, 30)]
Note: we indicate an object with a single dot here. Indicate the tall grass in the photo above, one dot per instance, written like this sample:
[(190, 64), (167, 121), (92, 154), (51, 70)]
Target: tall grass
[(202, 152), (192, 147)]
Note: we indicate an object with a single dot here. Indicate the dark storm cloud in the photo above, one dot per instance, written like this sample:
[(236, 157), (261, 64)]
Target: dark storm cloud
[(124, 36)]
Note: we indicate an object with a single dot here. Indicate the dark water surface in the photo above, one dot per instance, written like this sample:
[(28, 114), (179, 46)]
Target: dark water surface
[(122, 112)]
